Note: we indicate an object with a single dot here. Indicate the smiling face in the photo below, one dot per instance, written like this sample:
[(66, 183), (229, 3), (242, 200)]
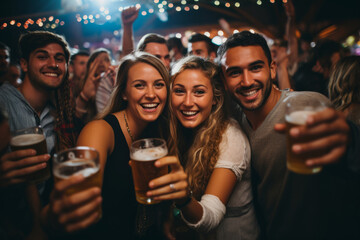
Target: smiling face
[(46, 68), (145, 93), (192, 98), (248, 76)]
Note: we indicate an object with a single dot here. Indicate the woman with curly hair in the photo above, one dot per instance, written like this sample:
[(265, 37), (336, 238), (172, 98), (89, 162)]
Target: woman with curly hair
[(214, 152), (344, 87)]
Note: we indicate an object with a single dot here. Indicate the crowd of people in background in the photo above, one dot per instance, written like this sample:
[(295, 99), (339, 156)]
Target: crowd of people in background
[(221, 110)]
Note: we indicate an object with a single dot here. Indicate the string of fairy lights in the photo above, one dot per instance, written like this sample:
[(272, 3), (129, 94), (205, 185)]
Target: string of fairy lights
[(100, 12)]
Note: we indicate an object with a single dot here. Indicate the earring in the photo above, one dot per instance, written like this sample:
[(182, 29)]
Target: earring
[(125, 98)]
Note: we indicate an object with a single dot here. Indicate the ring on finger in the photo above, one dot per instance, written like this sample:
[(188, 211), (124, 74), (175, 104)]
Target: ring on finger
[(172, 186)]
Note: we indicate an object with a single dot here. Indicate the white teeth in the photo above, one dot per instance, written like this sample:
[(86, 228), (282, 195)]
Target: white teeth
[(149, 105), (249, 93), (51, 74), (189, 113)]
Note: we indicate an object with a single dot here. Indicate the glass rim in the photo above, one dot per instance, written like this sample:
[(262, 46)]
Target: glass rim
[(139, 140), (25, 129), (75, 148)]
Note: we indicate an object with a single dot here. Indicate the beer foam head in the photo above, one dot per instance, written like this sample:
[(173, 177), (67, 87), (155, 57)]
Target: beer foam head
[(149, 154), (298, 117), (26, 139)]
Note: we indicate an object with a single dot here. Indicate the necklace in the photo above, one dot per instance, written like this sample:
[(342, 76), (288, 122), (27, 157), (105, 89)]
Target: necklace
[(128, 129)]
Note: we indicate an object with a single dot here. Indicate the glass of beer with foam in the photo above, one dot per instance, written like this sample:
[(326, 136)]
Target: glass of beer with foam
[(31, 138), (78, 160), (143, 154), (296, 113)]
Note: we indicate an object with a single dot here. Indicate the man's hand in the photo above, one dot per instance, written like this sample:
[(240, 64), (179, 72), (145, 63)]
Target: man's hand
[(14, 166), (329, 133)]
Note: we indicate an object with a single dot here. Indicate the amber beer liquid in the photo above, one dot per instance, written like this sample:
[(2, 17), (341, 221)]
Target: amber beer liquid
[(88, 169), (75, 161), (295, 162), (144, 170), (33, 141)]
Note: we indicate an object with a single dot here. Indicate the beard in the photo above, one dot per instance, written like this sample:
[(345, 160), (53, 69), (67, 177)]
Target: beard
[(267, 91), (37, 82)]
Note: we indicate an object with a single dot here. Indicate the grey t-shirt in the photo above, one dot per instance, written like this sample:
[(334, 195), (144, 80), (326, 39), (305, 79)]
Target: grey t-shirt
[(295, 206)]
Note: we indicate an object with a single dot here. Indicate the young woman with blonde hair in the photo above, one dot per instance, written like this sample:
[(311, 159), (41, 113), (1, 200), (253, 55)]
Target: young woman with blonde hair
[(214, 152), (138, 109)]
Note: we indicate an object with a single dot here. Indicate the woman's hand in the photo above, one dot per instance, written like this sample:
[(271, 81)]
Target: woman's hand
[(173, 185)]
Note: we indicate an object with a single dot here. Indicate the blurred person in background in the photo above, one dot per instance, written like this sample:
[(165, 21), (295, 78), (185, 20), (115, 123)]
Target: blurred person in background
[(98, 67), (155, 44), (77, 69), (202, 46), (176, 49), (4, 62), (14, 74)]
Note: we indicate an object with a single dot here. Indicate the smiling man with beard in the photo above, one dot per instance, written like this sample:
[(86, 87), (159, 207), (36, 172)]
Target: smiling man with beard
[(43, 99), (289, 205)]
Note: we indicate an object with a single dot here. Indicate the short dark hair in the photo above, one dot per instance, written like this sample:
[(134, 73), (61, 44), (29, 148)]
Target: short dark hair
[(28, 42), (198, 37), (149, 38), (4, 46), (324, 50), (79, 53), (244, 38)]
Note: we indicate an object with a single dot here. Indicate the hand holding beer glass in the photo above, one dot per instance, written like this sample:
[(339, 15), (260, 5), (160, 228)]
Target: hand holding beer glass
[(143, 154), (297, 112), (79, 161), (31, 138)]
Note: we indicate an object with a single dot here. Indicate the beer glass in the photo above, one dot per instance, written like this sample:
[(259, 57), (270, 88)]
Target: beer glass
[(296, 113), (143, 154), (78, 160), (33, 138)]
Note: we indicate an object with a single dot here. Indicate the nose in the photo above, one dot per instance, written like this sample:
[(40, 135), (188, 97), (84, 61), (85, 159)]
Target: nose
[(150, 93), (52, 62), (246, 79), (188, 101)]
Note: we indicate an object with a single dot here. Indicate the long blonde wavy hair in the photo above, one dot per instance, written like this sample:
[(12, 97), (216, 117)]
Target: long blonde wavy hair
[(344, 84), (198, 149)]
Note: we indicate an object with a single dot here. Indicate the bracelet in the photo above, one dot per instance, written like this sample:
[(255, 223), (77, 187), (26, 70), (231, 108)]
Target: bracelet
[(83, 97), (188, 200)]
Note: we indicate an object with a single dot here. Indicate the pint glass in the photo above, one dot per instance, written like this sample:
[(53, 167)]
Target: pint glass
[(143, 154), (78, 160), (296, 113), (31, 138)]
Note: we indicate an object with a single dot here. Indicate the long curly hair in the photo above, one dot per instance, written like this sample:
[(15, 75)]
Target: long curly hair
[(64, 105), (117, 103), (65, 128), (344, 84), (198, 150)]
